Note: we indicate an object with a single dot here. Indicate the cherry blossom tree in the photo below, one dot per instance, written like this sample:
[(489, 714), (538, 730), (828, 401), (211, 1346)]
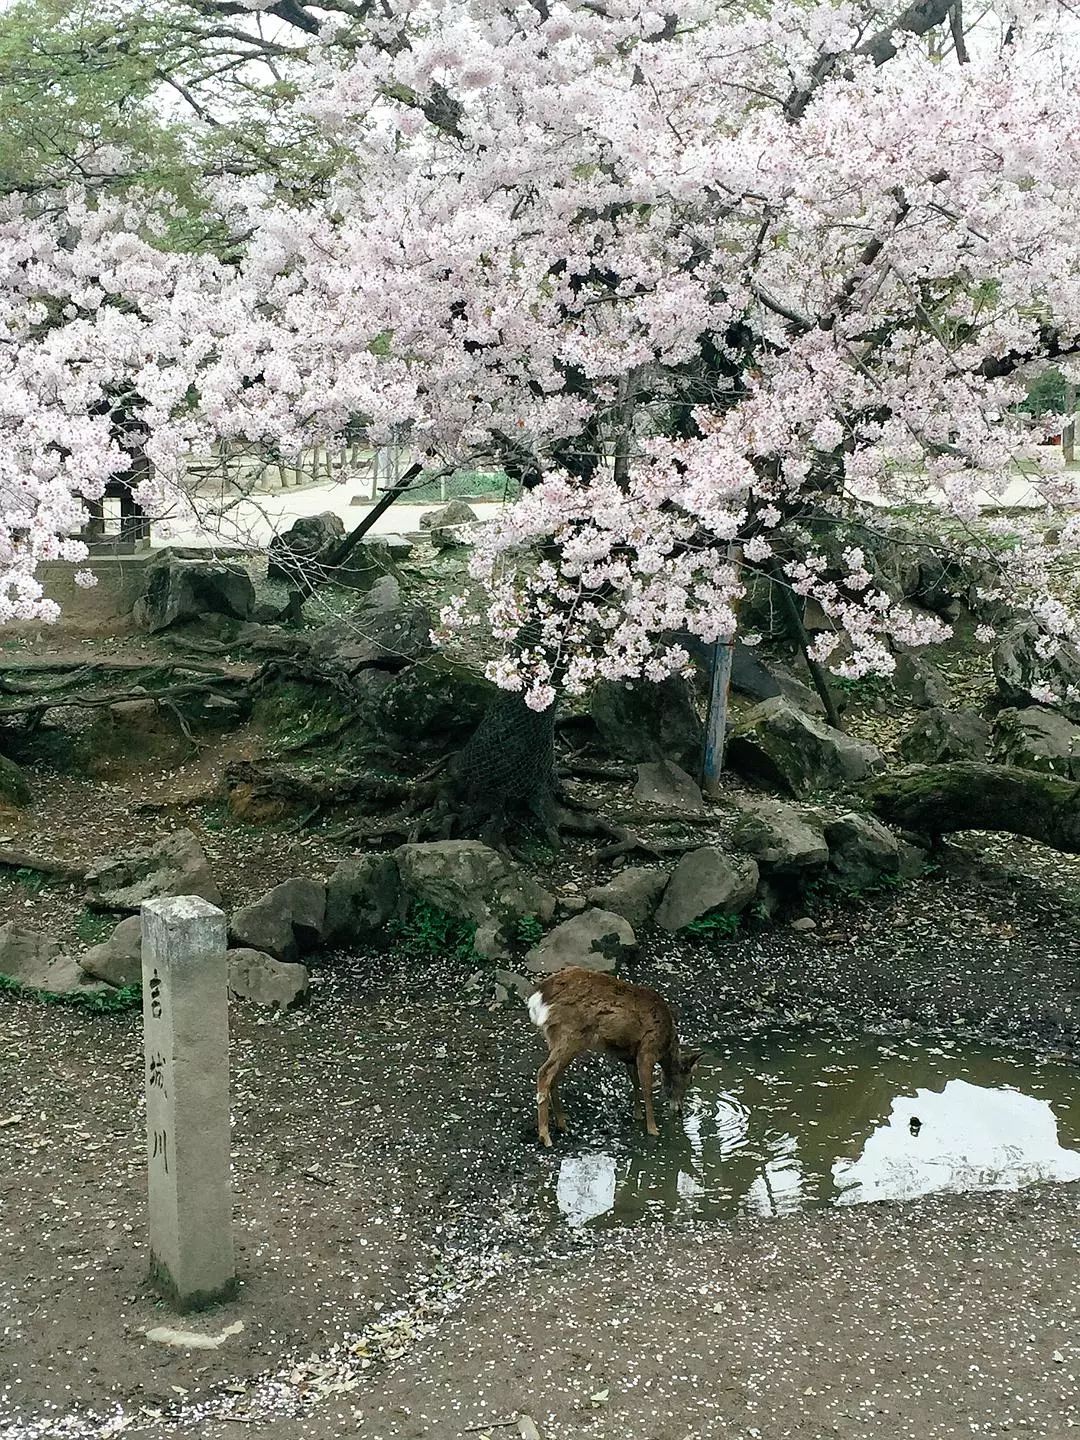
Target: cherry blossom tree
[(709, 280), (706, 282)]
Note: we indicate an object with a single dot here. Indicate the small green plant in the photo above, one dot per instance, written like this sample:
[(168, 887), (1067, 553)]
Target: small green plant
[(32, 880), (94, 1002), (716, 925), (107, 1002), (428, 932), (92, 928), (214, 818), (836, 887), (760, 913), (530, 930), (861, 687)]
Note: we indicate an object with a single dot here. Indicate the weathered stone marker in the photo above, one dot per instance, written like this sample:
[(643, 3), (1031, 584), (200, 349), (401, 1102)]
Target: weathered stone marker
[(186, 1037)]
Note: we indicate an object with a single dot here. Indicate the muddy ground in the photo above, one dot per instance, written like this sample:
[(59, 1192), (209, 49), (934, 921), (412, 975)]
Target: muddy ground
[(384, 1145)]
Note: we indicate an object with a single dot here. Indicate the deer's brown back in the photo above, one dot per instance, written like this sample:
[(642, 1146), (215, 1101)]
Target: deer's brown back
[(591, 1011)]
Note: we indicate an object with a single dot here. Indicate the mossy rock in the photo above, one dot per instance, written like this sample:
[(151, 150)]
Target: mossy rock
[(14, 786), (644, 721), (298, 712), (436, 703)]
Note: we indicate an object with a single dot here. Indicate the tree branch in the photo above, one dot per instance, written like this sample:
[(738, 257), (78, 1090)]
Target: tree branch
[(915, 20), (956, 24)]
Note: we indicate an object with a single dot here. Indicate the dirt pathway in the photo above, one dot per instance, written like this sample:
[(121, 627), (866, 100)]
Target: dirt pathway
[(386, 1127), (946, 1317)]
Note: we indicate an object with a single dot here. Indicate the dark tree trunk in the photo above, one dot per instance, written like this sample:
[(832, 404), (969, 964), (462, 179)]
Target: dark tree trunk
[(505, 772), (941, 799)]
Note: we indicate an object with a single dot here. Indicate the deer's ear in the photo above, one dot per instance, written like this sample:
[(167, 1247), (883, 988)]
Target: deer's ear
[(690, 1058)]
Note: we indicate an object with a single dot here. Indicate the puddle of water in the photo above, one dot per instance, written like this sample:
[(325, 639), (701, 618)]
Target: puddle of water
[(786, 1124)]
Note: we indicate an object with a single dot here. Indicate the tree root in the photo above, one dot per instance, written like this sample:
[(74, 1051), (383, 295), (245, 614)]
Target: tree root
[(583, 770), (42, 864), (29, 688), (259, 791)]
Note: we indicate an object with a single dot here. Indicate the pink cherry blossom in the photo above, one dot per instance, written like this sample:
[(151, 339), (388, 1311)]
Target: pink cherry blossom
[(714, 288)]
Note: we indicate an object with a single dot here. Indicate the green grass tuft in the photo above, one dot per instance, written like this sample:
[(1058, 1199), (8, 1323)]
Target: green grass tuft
[(430, 933), (94, 1002)]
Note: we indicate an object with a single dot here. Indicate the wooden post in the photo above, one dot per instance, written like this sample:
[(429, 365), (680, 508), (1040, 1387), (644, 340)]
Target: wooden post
[(716, 724), (186, 1038), (1068, 433)]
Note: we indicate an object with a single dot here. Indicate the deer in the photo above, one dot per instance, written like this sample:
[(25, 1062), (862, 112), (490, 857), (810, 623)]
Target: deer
[(577, 1010)]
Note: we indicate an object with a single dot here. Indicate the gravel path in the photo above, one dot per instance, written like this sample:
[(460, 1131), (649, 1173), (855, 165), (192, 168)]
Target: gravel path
[(946, 1317), (384, 1133)]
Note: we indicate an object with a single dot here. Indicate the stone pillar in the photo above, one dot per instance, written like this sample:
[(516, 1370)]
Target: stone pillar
[(186, 1037)]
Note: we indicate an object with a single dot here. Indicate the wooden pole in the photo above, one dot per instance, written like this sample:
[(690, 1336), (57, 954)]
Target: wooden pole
[(716, 724), (1068, 433)]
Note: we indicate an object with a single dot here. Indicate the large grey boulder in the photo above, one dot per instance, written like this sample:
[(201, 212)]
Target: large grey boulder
[(299, 556), (921, 681), (705, 882), (472, 882), (937, 585), (25, 954), (117, 960), (861, 850), (914, 857), (633, 893), (794, 752), (263, 980), (178, 589), (387, 629), (34, 960), (370, 560), (448, 528), (288, 921), (1020, 669), (663, 783), (438, 703), (781, 840), (595, 940), (943, 735), (361, 896), (640, 721), (1038, 739), (176, 865)]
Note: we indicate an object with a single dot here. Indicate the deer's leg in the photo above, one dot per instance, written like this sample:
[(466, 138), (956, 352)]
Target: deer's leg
[(631, 1065), (546, 1081), (558, 1114), (543, 1087), (645, 1065)]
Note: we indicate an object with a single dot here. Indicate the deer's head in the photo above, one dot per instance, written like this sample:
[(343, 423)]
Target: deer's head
[(683, 1068)]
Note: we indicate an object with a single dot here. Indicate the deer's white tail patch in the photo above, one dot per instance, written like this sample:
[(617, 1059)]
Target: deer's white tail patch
[(538, 1011)]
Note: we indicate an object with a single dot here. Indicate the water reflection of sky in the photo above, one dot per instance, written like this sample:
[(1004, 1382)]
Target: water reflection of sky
[(586, 1187), (734, 1158), (970, 1138), (778, 1190)]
